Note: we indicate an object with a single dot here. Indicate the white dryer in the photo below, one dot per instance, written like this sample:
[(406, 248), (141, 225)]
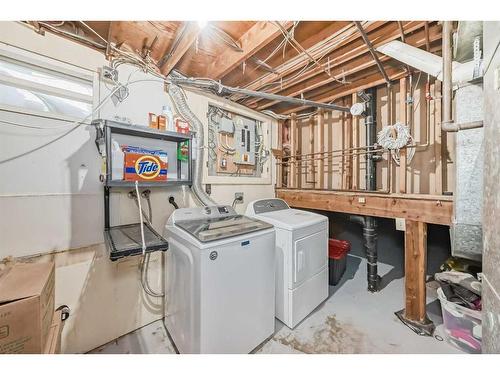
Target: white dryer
[(219, 284), (301, 257)]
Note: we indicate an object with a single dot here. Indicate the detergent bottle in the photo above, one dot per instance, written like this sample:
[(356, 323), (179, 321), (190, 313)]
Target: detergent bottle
[(169, 115), (117, 161)]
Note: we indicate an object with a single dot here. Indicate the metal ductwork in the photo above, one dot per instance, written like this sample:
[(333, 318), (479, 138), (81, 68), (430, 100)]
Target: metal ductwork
[(466, 75), (466, 228), (427, 62), (180, 103)]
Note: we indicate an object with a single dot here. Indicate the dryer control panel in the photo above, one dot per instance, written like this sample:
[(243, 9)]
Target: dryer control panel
[(267, 205)]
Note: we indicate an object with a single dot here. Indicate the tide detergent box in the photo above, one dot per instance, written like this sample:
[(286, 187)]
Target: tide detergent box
[(144, 165)]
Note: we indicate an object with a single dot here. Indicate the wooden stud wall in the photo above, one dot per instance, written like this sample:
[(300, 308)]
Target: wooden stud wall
[(423, 174)]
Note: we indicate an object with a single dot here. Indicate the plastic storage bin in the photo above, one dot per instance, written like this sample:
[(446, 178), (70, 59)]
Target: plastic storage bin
[(462, 325), (337, 259)]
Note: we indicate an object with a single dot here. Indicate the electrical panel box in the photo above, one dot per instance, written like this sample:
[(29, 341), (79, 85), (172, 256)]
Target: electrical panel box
[(235, 144), (245, 142)]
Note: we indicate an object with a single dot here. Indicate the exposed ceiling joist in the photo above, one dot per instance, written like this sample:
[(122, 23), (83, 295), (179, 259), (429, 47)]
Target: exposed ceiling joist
[(362, 84), (349, 66), (253, 40), (372, 51), (350, 49), (189, 36), (332, 51), (338, 34), (366, 81)]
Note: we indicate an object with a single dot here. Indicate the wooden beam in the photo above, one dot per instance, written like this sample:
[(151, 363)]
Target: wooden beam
[(292, 173), (299, 169), (415, 270), (355, 143), (337, 31), (403, 118), (369, 45), (188, 37), (348, 144), (366, 79), (432, 209), (427, 39), (343, 159), (279, 143), (344, 63), (438, 139), (350, 46), (371, 80), (252, 41), (320, 182), (311, 173), (108, 38)]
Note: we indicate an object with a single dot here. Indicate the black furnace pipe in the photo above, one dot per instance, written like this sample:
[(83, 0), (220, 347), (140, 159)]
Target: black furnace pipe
[(368, 222), (370, 227)]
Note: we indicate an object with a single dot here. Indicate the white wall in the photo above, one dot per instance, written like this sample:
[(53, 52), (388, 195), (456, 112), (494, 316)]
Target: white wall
[(51, 200)]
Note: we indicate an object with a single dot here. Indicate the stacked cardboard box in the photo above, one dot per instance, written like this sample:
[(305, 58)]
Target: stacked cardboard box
[(27, 308)]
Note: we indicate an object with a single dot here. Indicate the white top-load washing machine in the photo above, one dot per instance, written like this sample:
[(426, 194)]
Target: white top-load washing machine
[(219, 280), (301, 257)]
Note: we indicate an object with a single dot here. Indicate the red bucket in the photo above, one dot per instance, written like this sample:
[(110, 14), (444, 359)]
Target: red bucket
[(338, 249)]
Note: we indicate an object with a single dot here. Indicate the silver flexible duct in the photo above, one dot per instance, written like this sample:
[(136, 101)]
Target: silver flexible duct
[(180, 103)]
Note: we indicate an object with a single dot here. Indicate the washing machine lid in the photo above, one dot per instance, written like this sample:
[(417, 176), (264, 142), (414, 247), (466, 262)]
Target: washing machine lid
[(291, 218), (213, 229)]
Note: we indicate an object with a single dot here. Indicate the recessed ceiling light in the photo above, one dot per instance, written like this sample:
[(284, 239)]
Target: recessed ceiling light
[(202, 24)]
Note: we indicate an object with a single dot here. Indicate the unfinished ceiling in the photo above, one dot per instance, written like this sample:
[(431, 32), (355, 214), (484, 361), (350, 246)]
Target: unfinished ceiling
[(321, 61)]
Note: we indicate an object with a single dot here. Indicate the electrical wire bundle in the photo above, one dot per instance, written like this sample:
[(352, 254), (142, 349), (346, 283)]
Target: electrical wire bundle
[(402, 138)]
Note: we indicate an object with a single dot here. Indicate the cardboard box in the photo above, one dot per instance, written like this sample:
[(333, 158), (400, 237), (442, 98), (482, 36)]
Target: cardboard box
[(145, 165), (153, 120), (162, 123), (53, 344), (26, 307)]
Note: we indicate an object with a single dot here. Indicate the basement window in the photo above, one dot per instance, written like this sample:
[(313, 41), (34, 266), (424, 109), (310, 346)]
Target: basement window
[(37, 89)]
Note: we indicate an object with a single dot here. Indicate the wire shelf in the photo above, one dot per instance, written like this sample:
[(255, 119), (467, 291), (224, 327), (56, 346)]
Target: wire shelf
[(125, 240)]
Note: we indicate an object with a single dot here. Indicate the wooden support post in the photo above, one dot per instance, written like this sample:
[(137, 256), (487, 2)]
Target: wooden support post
[(311, 159), (320, 181), (279, 144), (355, 144), (415, 270), (439, 137), (348, 145), (329, 127), (402, 119), (292, 175), (343, 159), (299, 169)]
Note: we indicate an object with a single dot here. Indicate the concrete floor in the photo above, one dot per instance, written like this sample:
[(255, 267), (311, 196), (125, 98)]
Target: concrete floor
[(351, 320)]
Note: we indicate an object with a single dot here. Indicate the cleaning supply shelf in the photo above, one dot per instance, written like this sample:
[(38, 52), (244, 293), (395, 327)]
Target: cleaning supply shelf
[(143, 131), (147, 184), (125, 240)]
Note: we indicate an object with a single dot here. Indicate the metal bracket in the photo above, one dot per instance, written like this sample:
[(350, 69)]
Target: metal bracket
[(478, 61), (109, 73), (423, 328)]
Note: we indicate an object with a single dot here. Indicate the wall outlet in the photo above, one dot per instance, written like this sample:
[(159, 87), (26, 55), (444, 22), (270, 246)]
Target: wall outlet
[(400, 224), (238, 197)]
